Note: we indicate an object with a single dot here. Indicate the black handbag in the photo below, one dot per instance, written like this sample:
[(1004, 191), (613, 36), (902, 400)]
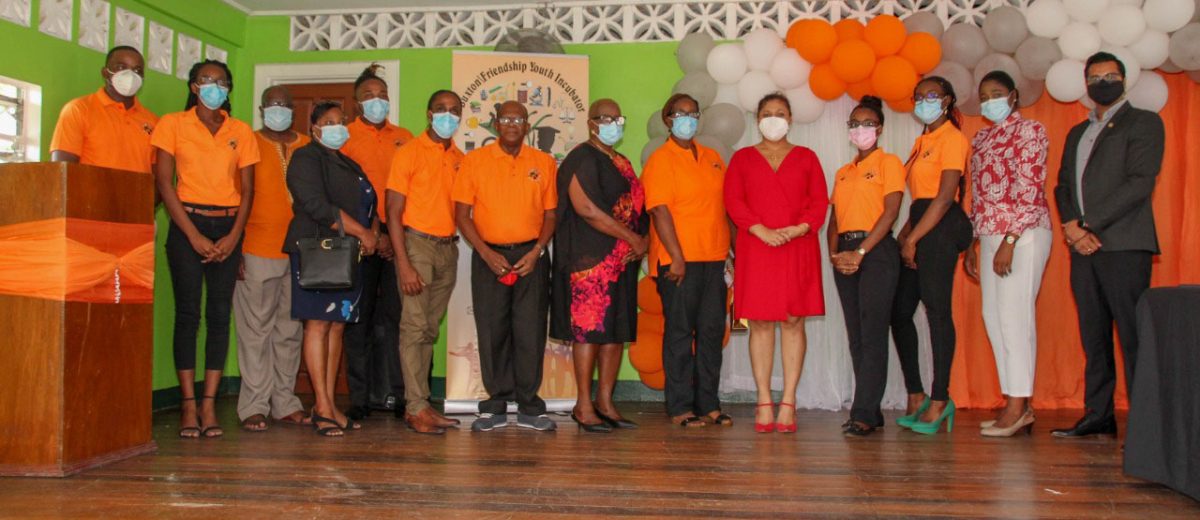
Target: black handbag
[(329, 263)]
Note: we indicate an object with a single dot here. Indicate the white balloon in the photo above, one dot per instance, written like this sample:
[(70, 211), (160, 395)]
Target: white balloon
[(1135, 3), (1150, 93), (1085, 10), (1122, 25), (789, 70), (1133, 68), (806, 106), (726, 93), (1065, 81), (727, 63), (761, 47), (1079, 40), (1047, 18), (753, 86), (1152, 49), (1087, 103), (1168, 15)]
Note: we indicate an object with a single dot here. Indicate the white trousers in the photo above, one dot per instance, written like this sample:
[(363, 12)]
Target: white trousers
[(268, 338), (1010, 307)]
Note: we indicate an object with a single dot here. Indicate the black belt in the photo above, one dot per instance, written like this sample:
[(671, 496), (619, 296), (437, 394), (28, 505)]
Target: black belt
[(854, 235), (509, 247), (210, 211), (432, 238)]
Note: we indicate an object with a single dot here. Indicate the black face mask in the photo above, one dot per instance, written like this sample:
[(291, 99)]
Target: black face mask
[(1106, 92)]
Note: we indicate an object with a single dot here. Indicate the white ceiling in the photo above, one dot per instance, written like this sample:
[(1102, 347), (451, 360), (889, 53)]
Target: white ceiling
[(341, 6)]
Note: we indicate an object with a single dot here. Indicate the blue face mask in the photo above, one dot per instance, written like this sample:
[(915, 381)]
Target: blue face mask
[(375, 110), (685, 127), (928, 110), (996, 110), (213, 95), (611, 133), (277, 118), (334, 136), (444, 124)]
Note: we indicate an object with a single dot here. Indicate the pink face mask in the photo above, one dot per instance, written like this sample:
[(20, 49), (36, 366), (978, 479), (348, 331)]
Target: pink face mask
[(863, 137)]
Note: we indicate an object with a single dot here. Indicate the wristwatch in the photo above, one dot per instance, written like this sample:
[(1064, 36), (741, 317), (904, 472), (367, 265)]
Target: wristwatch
[(541, 250), (1011, 239), (862, 251)]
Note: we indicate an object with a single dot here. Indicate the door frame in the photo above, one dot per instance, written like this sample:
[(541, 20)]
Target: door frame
[(270, 74)]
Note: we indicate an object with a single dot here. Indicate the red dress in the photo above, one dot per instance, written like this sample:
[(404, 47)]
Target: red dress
[(773, 283)]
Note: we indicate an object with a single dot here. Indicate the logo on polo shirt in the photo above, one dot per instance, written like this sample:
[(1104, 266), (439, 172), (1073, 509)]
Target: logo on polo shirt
[(869, 175), (147, 128), (534, 175), (233, 144)]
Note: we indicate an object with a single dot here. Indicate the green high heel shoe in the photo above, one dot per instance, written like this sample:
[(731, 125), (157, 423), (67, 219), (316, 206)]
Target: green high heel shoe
[(930, 428), (907, 421)]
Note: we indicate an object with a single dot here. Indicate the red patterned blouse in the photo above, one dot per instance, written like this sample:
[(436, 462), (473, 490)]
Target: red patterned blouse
[(1008, 174)]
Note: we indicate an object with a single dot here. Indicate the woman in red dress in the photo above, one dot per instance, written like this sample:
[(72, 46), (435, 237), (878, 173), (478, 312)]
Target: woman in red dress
[(775, 192)]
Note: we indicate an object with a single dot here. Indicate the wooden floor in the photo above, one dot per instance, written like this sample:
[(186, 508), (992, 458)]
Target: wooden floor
[(385, 471)]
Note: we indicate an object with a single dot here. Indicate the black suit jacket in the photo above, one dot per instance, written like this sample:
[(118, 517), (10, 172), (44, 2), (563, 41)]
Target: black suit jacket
[(1118, 181), (321, 181)]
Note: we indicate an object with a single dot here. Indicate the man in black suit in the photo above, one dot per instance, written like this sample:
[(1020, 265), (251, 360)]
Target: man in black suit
[(1104, 189)]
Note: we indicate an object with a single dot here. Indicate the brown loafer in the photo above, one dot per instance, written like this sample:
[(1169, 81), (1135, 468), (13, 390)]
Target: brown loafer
[(424, 421), (443, 421)]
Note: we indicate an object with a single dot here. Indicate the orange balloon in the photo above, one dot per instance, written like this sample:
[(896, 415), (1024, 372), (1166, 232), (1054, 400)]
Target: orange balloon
[(923, 51), (853, 61), (646, 353), (849, 29), (651, 324), (824, 83), (813, 39), (647, 296), (894, 78), (886, 34), (904, 104), (856, 91), (655, 380)]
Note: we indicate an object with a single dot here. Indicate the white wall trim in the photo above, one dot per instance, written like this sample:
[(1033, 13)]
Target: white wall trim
[(270, 74)]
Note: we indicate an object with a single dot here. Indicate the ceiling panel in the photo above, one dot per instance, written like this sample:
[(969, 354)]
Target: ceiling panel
[(302, 6)]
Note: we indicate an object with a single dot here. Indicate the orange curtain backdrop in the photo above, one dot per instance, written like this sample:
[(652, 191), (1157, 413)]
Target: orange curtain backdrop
[(78, 260), (1060, 362)]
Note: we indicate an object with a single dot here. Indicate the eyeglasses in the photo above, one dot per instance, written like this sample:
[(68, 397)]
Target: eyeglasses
[(1111, 77), (852, 124), (284, 104), (686, 114), (605, 120), (205, 80), (121, 66), (511, 120), (929, 96)]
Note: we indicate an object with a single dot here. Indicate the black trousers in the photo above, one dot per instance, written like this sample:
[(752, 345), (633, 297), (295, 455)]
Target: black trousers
[(511, 325), (867, 297), (189, 276), (373, 344), (694, 314), (932, 283), (1107, 286)]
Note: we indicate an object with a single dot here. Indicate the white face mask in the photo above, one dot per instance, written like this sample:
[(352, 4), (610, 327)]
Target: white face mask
[(773, 128), (126, 82)]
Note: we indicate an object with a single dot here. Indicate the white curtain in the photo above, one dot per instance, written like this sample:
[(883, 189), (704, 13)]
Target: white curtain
[(827, 381)]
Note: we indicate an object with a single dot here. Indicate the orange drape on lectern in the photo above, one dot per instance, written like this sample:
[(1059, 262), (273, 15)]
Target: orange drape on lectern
[(78, 260), (1060, 362)]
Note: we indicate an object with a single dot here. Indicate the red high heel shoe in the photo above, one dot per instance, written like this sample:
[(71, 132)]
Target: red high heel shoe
[(764, 427), (787, 428)]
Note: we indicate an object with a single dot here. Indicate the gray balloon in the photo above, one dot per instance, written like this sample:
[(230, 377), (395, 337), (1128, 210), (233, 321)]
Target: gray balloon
[(650, 147), (1002, 62), (1035, 56), (959, 77), (1185, 47), (1170, 67), (1005, 29), (725, 122), (655, 126), (964, 44), (698, 85), (926, 22), (713, 142), (692, 52), (1032, 93)]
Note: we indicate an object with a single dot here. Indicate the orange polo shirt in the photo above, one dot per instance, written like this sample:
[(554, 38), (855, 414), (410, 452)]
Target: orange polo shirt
[(859, 189), (424, 171), (102, 132), (373, 148), (934, 152), (207, 164), (510, 195), (272, 209), (693, 190)]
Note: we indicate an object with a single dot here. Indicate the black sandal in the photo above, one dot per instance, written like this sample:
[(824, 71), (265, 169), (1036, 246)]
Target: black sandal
[(256, 423), (720, 420), (692, 422), (189, 429), (857, 429), (327, 431), (215, 428)]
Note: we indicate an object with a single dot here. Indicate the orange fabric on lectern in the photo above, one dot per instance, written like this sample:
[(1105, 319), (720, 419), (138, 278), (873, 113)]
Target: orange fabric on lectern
[(1059, 382), (67, 259)]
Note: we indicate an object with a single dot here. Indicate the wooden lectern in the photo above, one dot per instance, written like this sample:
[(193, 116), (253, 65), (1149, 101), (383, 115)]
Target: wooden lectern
[(76, 318)]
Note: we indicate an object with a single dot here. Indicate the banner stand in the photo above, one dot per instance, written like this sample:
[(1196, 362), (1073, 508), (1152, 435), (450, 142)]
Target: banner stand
[(471, 406)]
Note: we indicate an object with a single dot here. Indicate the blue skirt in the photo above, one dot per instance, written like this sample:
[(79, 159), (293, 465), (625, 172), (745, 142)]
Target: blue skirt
[(331, 305)]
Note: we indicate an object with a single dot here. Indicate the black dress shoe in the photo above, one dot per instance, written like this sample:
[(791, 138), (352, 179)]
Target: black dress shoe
[(599, 427), (621, 423), (1088, 425), (358, 413)]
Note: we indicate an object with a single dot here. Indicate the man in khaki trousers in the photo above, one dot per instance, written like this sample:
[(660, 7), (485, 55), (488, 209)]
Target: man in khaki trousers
[(418, 196)]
